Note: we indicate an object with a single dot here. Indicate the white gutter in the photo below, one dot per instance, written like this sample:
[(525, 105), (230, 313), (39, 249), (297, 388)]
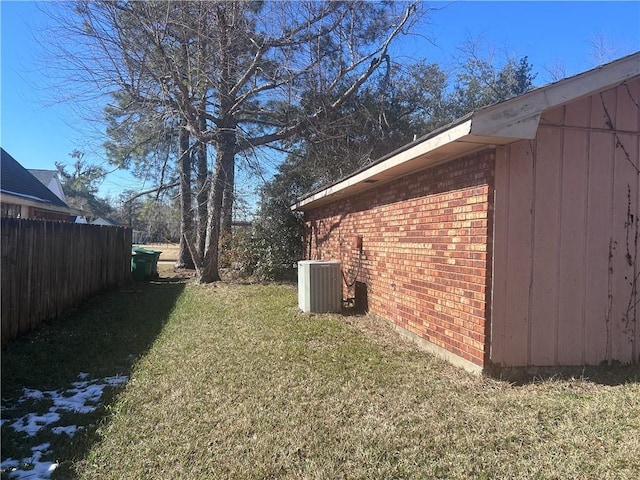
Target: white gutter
[(380, 169), (7, 196)]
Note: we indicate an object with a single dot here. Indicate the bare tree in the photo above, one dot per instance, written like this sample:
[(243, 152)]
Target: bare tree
[(602, 50), (557, 70), (235, 75)]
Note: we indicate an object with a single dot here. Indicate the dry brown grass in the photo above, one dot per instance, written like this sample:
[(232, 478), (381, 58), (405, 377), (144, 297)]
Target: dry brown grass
[(239, 385), (169, 250), (103, 337)]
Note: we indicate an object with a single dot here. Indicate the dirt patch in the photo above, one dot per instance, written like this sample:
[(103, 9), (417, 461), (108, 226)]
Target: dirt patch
[(379, 331), (167, 270)]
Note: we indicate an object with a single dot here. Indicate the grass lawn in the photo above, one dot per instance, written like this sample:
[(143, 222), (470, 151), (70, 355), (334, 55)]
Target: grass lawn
[(229, 381), (169, 250)]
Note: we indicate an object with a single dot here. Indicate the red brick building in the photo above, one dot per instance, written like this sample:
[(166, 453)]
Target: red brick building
[(507, 238)]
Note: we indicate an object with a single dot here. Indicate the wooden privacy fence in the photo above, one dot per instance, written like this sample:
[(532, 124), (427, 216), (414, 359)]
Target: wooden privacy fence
[(49, 267)]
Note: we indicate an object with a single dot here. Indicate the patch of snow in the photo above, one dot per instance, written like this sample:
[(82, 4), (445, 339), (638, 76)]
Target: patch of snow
[(28, 393), (78, 398), (69, 430), (43, 447), (116, 380), (32, 423), (9, 464), (32, 467), (83, 397)]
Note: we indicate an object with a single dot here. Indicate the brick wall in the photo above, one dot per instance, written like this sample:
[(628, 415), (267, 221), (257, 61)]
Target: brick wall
[(426, 258)]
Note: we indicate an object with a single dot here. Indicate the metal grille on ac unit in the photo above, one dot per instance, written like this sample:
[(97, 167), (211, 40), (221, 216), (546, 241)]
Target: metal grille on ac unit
[(319, 286)]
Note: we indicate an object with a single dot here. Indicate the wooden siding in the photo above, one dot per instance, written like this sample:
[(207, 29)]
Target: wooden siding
[(565, 278), (49, 267)]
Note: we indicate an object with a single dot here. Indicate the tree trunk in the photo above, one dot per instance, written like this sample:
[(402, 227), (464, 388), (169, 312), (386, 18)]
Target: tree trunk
[(184, 259), (203, 193), (225, 161), (227, 211), (227, 202)]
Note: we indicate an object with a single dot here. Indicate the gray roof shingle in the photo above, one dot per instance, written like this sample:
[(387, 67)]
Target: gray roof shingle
[(16, 180)]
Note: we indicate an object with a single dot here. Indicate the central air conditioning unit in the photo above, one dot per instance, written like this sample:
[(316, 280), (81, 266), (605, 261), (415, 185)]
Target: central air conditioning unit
[(320, 286)]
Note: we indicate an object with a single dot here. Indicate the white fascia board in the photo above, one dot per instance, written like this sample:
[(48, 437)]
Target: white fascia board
[(515, 119), (422, 148), (27, 197), (31, 201), (518, 117)]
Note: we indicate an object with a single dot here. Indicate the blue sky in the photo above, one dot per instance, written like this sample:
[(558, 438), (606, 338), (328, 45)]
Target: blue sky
[(38, 130)]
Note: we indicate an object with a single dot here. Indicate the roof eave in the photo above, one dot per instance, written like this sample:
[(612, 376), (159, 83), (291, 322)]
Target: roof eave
[(498, 124), (381, 170), (453, 142), (519, 116), (30, 201)]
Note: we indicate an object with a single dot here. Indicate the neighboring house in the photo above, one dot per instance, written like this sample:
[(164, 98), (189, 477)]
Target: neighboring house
[(97, 221), (50, 179), (23, 196), (104, 221), (509, 238)]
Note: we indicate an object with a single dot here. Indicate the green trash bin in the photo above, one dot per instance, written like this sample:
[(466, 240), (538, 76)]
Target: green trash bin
[(141, 265), (152, 257)]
